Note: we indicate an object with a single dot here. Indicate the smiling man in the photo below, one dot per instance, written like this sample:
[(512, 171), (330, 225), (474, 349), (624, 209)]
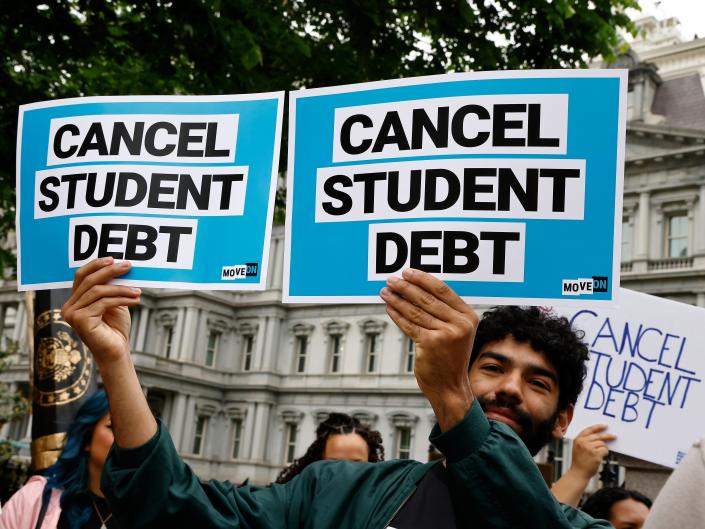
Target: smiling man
[(519, 373), (526, 371)]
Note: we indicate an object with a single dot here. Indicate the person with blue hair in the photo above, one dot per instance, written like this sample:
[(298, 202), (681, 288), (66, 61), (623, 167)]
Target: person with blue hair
[(68, 495)]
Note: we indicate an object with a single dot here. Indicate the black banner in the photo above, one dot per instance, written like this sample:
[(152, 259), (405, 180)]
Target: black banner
[(63, 376)]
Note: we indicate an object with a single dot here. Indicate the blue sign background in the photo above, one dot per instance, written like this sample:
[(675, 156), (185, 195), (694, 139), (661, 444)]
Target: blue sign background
[(330, 259), (220, 241)]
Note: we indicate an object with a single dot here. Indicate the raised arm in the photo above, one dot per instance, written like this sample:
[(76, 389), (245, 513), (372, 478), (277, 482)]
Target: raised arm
[(494, 482), (98, 311)]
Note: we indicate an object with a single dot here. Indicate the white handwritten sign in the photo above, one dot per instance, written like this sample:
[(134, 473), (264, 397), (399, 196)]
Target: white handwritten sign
[(645, 378)]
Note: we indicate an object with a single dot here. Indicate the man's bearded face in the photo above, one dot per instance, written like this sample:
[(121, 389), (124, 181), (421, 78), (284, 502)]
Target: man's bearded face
[(517, 386), (535, 433)]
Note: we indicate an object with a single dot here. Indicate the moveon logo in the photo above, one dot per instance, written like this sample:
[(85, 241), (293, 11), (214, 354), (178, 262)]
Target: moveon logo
[(231, 273), (586, 286)]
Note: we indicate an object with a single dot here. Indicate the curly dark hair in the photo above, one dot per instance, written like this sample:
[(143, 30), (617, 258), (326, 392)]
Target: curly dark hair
[(335, 424), (545, 333), (600, 503)]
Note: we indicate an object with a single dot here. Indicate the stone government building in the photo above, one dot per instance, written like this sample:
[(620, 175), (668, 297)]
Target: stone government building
[(241, 380)]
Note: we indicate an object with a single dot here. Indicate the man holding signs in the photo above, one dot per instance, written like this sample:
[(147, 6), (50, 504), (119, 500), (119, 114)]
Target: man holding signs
[(526, 376)]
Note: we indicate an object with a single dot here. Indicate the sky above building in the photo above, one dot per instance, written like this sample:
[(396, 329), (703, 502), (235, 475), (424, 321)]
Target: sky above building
[(690, 13)]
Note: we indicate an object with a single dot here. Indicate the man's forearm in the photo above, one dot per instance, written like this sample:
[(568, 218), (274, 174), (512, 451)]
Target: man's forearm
[(451, 408), (133, 422), (570, 487)]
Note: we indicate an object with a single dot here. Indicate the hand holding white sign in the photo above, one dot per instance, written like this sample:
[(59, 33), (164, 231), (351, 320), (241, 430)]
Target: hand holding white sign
[(645, 376), (589, 450)]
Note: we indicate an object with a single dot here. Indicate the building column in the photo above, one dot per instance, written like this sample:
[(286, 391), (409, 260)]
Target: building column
[(20, 330), (641, 233), (186, 347), (262, 328), (699, 228), (260, 434), (177, 340), (189, 422), (273, 329), (249, 426), (142, 329), (178, 415), (658, 244), (276, 256), (700, 299), (641, 250)]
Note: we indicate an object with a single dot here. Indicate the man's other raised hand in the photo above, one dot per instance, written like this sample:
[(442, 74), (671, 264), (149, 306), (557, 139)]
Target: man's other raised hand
[(443, 328)]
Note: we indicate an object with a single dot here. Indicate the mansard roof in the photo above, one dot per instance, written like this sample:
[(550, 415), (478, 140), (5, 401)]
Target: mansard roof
[(682, 102)]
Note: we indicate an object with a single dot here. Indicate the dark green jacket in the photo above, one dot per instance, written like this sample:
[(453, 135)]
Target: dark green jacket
[(494, 483)]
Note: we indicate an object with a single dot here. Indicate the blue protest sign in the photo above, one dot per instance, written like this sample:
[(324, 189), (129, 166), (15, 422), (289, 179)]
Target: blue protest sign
[(181, 186), (645, 375), (507, 185)]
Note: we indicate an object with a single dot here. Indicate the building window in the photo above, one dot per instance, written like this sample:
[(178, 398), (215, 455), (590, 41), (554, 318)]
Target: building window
[(336, 342), (630, 105), (302, 333), (371, 333), (627, 240), (403, 425), (168, 341), (199, 436), (410, 356), (301, 350), (403, 442), (212, 349), (371, 352), (237, 438), (290, 443), (677, 239), (248, 341)]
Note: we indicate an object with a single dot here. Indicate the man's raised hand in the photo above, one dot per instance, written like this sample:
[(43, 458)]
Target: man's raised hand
[(98, 311), (443, 328)]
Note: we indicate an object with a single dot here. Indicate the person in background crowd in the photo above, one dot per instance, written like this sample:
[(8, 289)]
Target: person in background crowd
[(681, 502), (340, 437), (68, 495), (589, 450), (624, 509)]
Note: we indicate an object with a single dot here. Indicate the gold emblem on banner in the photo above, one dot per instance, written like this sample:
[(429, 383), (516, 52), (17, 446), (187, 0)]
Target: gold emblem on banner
[(47, 449), (63, 367)]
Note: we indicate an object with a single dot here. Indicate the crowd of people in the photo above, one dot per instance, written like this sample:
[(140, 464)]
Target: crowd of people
[(501, 387)]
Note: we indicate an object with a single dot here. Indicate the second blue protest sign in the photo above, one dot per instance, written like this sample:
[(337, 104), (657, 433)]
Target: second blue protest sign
[(183, 187), (507, 185)]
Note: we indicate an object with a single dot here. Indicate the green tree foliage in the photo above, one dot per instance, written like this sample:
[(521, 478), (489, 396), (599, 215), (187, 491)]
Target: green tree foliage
[(65, 48)]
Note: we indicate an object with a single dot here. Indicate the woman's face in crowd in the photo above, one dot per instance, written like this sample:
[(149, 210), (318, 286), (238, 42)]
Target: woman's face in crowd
[(346, 447), (101, 441), (628, 514)]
